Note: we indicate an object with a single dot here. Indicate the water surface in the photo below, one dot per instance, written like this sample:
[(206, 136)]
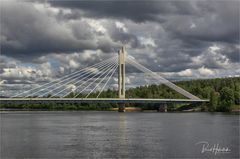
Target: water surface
[(116, 135)]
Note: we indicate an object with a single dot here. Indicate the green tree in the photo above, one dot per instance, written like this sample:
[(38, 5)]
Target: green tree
[(226, 99), (237, 93), (213, 100)]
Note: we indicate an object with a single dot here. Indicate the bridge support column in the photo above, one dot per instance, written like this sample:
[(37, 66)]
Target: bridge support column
[(121, 73), (162, 108), (121, 107), (165, 107), (121, 78)]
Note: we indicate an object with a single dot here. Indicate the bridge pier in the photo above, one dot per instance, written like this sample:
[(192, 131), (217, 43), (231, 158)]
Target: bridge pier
[(162, 108), (121, 107)]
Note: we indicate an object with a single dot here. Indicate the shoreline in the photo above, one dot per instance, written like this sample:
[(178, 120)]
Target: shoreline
[(127, 109)]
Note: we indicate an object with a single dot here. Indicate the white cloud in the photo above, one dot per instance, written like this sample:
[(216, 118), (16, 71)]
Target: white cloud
[(193, 25), (71, 87), (2, 82), (46, 69), (187, 72), (206, 72), (92, 70), (128, 80), (212, 57), (147, 41), (73, 40), (61, 69), (214, 48), (27, 73), (73, 64), (95, 25), (121, 26)]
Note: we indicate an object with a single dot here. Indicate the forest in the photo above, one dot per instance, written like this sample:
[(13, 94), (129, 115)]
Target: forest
[(223, 93)]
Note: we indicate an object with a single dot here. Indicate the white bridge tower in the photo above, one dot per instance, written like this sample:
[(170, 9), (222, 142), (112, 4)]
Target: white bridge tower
[(121, 77)]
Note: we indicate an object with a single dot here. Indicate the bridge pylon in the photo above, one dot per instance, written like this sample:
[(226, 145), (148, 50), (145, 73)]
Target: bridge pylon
[(121, 77)]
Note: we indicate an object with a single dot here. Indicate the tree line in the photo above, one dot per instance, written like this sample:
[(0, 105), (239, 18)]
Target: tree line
[(223, 93)]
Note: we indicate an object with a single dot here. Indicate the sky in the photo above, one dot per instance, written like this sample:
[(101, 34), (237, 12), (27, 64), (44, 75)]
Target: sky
[(42, 40)]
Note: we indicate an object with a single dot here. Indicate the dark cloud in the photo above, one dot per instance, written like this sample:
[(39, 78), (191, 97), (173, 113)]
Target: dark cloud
[(29, 31), (138, 11), (232, 52), (210, 20), (42, 40), (218, 22)]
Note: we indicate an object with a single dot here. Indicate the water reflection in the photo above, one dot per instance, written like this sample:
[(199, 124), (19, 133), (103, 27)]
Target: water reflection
[(116, 135), (123, 139)]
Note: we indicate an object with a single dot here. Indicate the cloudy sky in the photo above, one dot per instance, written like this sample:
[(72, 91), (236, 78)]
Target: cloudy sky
[(42, 40)]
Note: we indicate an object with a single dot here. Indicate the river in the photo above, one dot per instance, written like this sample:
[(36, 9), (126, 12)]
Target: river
[(89, 134)]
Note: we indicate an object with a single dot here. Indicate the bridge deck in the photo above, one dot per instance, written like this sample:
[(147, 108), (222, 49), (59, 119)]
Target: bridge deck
[(98, 100)]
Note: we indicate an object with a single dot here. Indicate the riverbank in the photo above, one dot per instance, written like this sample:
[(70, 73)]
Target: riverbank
[(235, 108), (223, 94)]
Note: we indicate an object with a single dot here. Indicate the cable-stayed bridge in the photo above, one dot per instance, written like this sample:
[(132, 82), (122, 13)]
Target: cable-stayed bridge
[(80, 86)]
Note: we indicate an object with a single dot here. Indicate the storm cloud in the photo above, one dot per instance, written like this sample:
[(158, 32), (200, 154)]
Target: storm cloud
[(178, 38)]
